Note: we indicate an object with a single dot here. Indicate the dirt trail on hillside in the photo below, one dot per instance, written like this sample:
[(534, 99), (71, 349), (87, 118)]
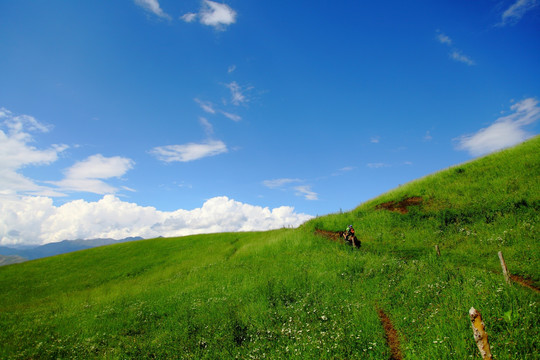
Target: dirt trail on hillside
[(524, 282), (402, 206), (331, 235), (392, 338)]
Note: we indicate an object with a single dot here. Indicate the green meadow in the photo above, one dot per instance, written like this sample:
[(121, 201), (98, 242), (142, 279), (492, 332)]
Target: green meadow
[(291, 293)]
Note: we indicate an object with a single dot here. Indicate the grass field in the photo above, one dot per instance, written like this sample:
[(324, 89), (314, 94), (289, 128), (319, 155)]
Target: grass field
[(290, 293)]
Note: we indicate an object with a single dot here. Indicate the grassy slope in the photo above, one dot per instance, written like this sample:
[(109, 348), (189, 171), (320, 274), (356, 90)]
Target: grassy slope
[(289, 293)]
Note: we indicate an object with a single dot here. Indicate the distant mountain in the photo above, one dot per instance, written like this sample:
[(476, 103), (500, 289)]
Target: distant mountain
[(58, 248), (11, 259)]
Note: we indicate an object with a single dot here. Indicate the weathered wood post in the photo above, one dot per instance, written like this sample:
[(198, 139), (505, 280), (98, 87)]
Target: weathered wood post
[(504, 268), (480, 335), (437, 250)]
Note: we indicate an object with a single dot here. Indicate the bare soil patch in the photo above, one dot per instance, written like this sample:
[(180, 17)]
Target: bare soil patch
[(402, 206), (524, 282), (331, 235), (392, 338)]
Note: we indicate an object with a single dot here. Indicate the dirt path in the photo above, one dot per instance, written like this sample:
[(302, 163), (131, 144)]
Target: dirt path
[(392, 338), (524, 282), (402, 206), (334, 236)]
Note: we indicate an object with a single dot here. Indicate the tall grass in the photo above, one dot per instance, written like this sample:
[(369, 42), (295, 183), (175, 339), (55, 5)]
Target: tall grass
[(292, 294)]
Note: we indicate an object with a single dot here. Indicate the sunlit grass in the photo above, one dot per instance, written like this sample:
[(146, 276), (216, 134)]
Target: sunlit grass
[(292, 294)]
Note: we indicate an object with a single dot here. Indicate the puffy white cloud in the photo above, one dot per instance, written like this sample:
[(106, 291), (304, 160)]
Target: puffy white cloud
[(213, 14), (153, 7), (504, 132), (217, 15), (189, 152), (87, 175), (16, 152), (516, 11), (35, 220)]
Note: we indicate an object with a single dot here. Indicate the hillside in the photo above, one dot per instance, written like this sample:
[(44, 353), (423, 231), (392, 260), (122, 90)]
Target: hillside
[(293, 293)]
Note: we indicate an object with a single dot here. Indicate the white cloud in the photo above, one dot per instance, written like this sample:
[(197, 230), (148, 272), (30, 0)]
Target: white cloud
[(516, 11), (504, 132), (208, 128), (213, 14), (444, 39), (206, 106), (455, 54), (231, 69), (375, 139), (189, 152), (87, 175), (217, 15), (16, 152), (232, 117), (377, 165), (153, 7), (428, 136), (277, 183), (459, 57), (189, 17), (306, 192), (238, 96), (35, 220)]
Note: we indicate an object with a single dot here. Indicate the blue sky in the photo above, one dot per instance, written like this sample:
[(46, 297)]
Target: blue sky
[(161, 117)]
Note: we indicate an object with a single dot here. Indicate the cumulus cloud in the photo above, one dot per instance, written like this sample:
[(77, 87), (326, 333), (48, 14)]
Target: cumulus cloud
[(516, 11), (153, 7), (214, 14), (35, 220), (217, 15), (189, 152), (88, 175), (17, 152), (506, 131)]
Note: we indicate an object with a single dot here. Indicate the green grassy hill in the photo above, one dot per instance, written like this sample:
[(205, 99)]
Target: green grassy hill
[(292, 293)]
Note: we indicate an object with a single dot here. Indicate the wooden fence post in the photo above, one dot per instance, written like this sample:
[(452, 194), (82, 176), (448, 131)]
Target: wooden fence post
[(438, 250), (480, 335), (504, 268)]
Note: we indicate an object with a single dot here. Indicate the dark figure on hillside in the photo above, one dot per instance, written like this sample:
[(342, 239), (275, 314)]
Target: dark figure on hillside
[(350, 236)]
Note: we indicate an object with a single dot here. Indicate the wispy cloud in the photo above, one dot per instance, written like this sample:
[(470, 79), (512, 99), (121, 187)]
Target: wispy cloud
[(208, 128), (232, 117), (206, 106), (306, 192), (238, 93), (377, 165), (153, 7), (375, 139), (88, 175), (189, 152), (214, 14), (459, 57), (277, 183), (427, 136), (516, 11), (455, 53), (506, 131)]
